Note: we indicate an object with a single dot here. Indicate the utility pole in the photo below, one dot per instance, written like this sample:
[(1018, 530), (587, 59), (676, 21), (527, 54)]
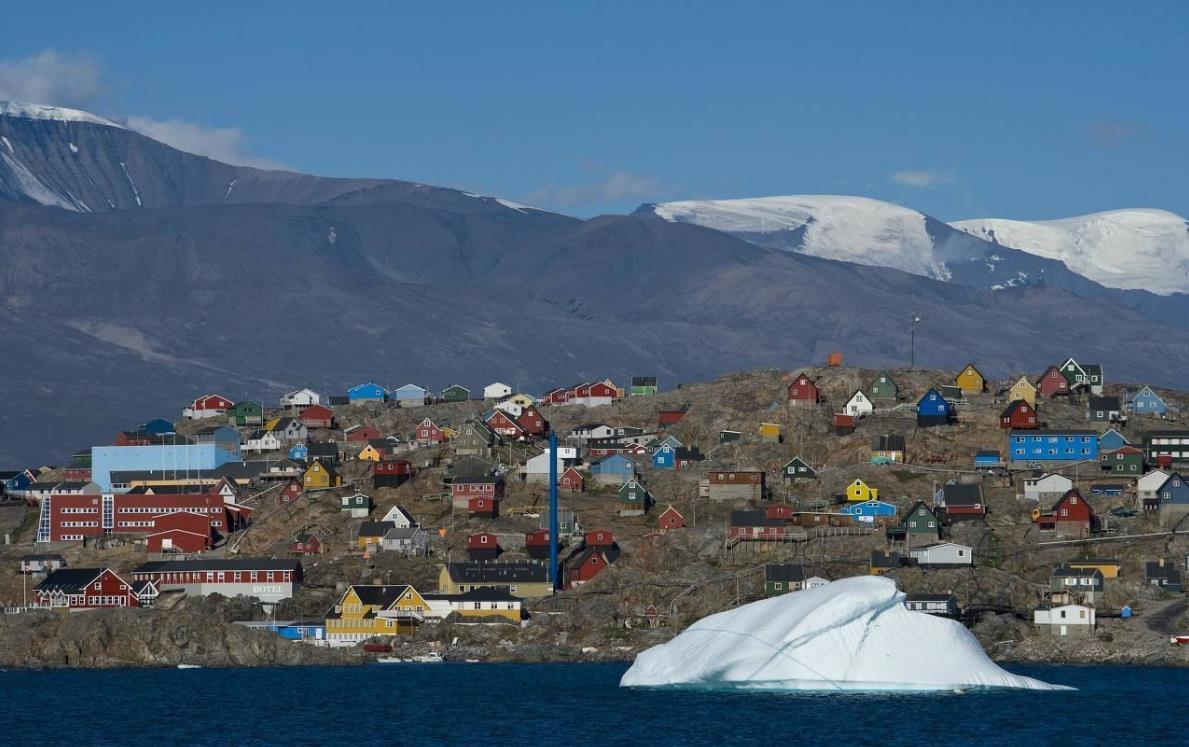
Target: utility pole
[(912, 345)]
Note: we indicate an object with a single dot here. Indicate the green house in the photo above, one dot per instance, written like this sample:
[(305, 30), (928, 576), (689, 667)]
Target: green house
[(920, 525), (798, 469), (725, 437), (1074, 374), (781, 578), (883, 387), (246, 413), (643, 386), (456, 393), (1125, 461), (634, 499)]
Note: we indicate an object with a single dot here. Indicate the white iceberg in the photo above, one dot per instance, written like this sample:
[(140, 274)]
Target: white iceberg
[(852, 634)]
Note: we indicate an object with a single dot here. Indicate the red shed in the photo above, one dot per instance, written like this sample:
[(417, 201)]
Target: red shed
[(1052, 383), (672, 416), (391, 473), (670, 519), (571, 480), (1020, 415), (487, 508), (361, 433), (317, 416), (587, 565), (483, 546), (536, 544), (804, 392), (843, 424), (781, 511), (306, 544), (600, 538)]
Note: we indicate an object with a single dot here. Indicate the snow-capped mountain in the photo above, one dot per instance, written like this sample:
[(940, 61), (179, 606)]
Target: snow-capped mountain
[(1131, 249)]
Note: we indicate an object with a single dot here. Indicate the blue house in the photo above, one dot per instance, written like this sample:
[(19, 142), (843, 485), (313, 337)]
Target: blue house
[(16, 481), (665, 457), (933, 409), (299, 452), (613, 469), (671, 441), (869, 511), (1147, 402), (158, 427), (1053, 446), (1112, 440), (369, 392), (987, 459), (410, 395)]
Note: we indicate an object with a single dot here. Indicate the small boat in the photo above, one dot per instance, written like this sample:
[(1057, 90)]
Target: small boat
[(189, 666), (1180, 640), (392, 660), (471, 661), (433, 657)]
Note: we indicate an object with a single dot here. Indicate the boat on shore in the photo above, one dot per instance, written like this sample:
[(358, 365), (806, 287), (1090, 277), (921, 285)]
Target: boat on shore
[(1179, 640)]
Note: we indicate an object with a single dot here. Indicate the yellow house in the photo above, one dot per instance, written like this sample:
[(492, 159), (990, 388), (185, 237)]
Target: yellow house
[(272, 424), (1109, 568), (859, 491), (1023, 390), (319, 475), (970, 380), (449, 433), (480, 603), (523, 400), (369, 453), (521, 578), (367, 610), (770, 432)]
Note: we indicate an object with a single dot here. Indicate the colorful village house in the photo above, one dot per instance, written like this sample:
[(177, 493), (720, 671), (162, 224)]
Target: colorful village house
[(361, 434), (357, 505), (496, 390), (1111, 439), (1071, 516), (465, 488), (456, 393), (299, 400), (870, 512), (1147, 402), (1074, 374), (803, 392), (85, 588), (367, 392), (1052, 383), (528, 579), (318, 476), (731, 485), (960, 502), (1103, 409), (858, 405), (614, 469), (391, 473), (781, 578), (299, 452), (483, 508), (1020, 416), (671, 416), (1174, 500), (933, 409), (291, 492), (798, 469), (970, 380), (531, 421), (483, 546), (410, 395), (1126, 460), (987, 459), (1094, 377), (571, 480), (1109, 568), (770, 433), (1053, 446), (920, 526), (317, 416), (859, 491), (844, 424), (670, 520), (634, 499), (368, 611), (536, 544), (726, 437), (246, 413), (1024, 390), (306, 544), (428, 432), (208, 406), (888, 449), (643, 386), (883, 387)]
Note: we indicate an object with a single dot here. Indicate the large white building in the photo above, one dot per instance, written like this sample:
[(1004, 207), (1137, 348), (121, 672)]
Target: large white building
[(1047, 486), (1066, 620), (497, 390), (300, 399), (267, 579)]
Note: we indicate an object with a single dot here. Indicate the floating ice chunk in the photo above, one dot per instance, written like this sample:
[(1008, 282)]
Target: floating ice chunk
[(852, 634)]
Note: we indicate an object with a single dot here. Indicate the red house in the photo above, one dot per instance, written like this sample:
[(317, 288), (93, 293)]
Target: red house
[(600, 538), (1020, 415), (361, 433), (317, 416), (586, 566), (483, 546), (1052, 383), (484, 508), (531, 421), (571, 480), (208, 406), (85, 588), (292, 491), (502, 423), (781, 511), (672, 416), (536, 544), (463, 489), (553, 397), (428, 432), (391, 473), (844, 425), (670, 519), (180, 531), (306, 544), (803, 392), (1071, 516)]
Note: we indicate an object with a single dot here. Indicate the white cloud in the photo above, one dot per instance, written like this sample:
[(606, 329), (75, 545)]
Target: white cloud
[(226, 144), (614, 187), (923, 178), (50, 77)]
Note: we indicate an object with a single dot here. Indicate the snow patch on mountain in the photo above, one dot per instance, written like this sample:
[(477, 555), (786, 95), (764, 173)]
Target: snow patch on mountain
[(30, 186), (1130, 249), (853, 229), (54, 113)]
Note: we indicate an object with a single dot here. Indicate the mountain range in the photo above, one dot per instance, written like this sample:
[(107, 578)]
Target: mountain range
[(134, 277)]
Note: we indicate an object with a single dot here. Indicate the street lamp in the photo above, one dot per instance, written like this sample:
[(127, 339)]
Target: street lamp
[(912, 345)]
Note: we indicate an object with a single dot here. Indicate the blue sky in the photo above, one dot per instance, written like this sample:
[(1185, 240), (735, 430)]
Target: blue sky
[(1006, 109)]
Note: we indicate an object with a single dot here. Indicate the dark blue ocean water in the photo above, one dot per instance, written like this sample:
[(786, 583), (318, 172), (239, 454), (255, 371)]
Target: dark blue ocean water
[(541, 704)]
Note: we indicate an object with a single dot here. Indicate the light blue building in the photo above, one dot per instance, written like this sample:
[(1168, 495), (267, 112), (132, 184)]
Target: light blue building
[(299, 452), (1053, 446), (616, 465), (868, 511), (410, 395), (216, 449), (1112, 440), (1147, 402), (369, 392)]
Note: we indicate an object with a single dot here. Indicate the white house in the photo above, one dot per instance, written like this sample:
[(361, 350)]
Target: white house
[(1149, 485), (1066, 620), (943, 554), (400, 517), (290, 430), (511, 407), (859, 404), (300, 399), (497, 390), (409, 541), (536, 469), (261, 441), (1046, 486), (814, 582), (589, 431)]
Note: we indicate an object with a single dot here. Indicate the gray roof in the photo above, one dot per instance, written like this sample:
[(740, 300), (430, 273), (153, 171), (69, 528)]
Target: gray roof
[(962, 495), (497, 573), (220, 564), (69, 580), (784, 572)]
